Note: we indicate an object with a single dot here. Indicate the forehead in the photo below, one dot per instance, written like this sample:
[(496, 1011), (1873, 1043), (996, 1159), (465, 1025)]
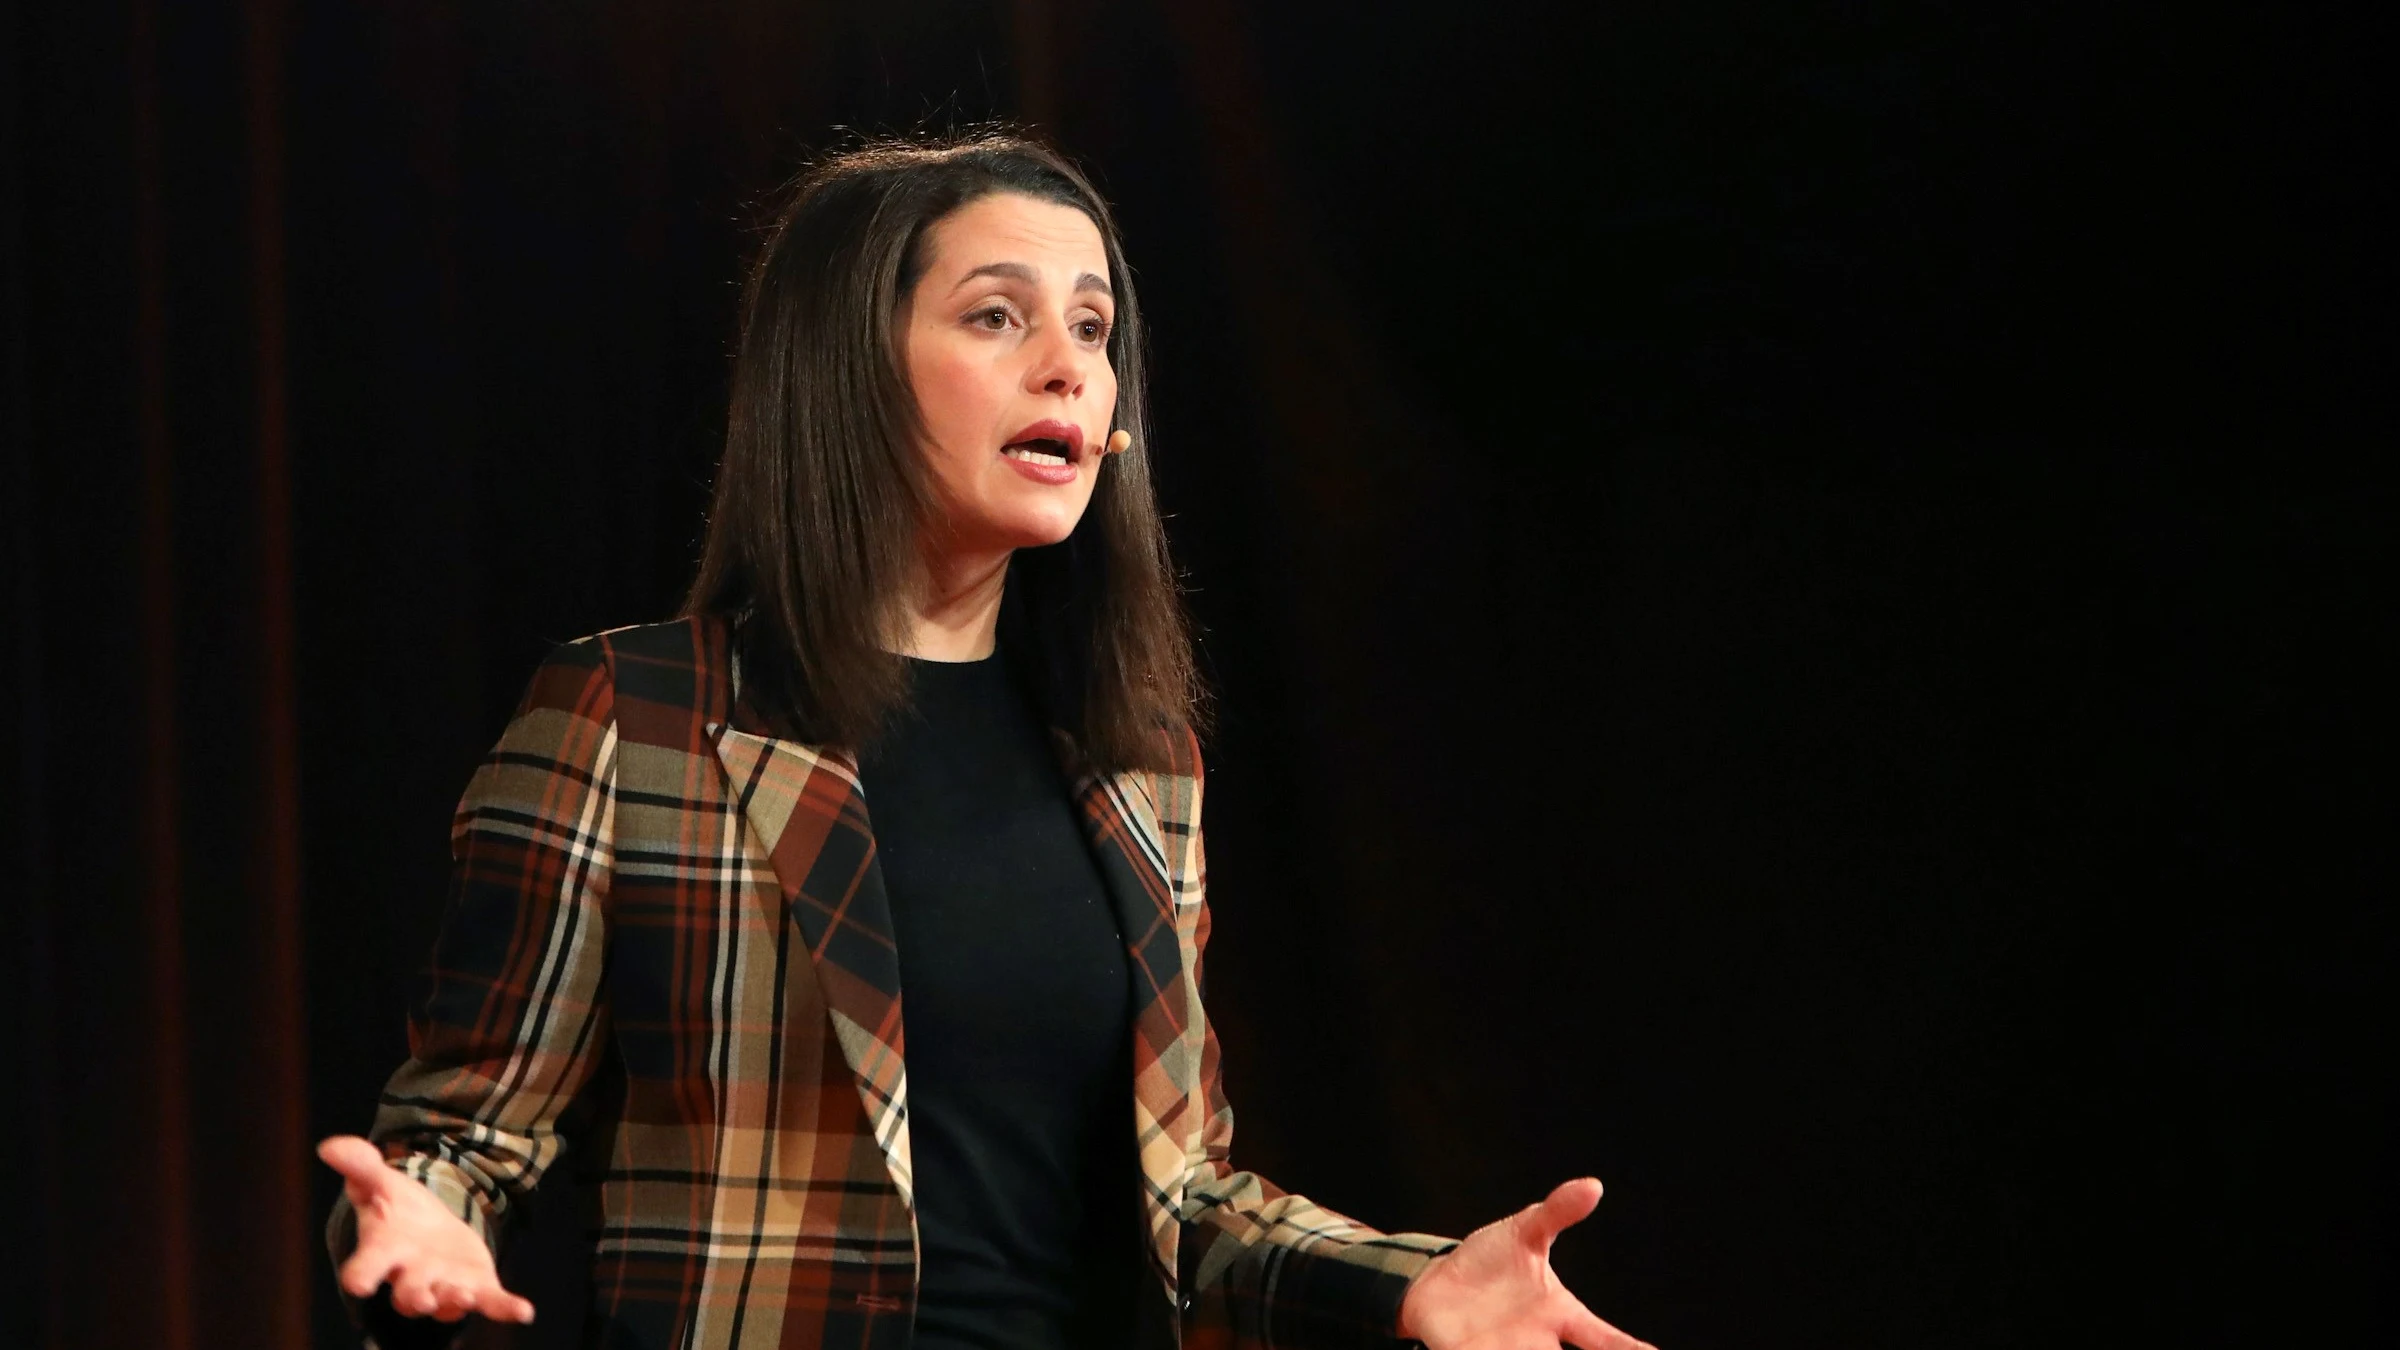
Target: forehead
[(1058, 241)]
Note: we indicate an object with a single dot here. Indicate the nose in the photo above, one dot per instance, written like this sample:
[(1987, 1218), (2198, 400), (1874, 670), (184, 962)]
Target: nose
[(1060, 364)]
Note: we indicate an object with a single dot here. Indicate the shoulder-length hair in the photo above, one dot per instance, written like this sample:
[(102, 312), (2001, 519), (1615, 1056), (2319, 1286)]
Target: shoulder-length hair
[(811, 538)]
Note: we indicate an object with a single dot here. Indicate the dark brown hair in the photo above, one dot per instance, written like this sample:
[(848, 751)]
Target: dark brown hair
[(810, 541)]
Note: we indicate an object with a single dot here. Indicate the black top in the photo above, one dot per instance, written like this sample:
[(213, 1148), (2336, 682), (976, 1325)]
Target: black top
[(1016, 1007)]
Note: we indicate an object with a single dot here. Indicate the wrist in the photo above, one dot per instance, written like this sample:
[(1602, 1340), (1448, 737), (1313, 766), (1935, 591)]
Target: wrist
[(1410, 1325)]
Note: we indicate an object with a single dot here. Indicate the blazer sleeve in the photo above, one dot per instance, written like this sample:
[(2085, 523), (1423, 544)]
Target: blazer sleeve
[(1261, 1267), (511, 1021)]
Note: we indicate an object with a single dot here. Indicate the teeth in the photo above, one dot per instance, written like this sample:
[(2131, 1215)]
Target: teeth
[(1032, 456)]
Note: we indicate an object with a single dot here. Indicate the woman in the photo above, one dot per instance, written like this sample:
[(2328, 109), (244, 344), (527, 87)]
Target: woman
[(926, 727)]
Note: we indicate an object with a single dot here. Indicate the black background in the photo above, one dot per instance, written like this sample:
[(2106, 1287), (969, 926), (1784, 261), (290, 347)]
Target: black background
[(1791, 590)]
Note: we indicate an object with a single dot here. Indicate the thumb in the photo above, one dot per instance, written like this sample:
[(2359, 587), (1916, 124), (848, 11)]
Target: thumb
[(360, 1163), (1569, 1204)]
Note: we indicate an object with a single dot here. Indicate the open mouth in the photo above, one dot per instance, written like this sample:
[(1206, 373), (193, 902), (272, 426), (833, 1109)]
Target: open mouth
[(1051, 443), (1040, 450)]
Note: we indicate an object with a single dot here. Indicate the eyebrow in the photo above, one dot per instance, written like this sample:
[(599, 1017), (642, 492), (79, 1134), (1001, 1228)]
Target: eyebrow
[(1017, 271)]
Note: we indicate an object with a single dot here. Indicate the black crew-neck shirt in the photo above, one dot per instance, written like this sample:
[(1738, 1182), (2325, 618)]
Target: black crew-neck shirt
[(1016, 1007)]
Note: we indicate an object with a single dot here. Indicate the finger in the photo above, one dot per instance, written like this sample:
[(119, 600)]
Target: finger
[(412, 1293), (360, 1163), (411, 1298), (1571, 1203), (1587, 1332), (500, 1305), (368, 1267)]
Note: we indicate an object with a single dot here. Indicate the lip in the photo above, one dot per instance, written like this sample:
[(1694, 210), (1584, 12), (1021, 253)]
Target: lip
[(1051, 429)]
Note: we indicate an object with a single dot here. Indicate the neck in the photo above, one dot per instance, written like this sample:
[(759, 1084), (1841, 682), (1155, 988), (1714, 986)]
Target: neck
[(954, 614)]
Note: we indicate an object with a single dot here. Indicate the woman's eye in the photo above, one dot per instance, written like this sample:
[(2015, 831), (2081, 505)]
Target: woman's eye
[(1092, 330), (995, 318)]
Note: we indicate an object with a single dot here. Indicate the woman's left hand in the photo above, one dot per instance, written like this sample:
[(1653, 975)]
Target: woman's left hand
[(1495, 1291)]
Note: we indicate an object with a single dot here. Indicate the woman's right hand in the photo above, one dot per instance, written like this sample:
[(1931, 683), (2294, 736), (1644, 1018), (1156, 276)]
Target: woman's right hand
[(435, 1264)]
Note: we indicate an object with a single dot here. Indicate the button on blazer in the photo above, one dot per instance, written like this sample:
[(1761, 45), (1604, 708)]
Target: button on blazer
[(668, 943)]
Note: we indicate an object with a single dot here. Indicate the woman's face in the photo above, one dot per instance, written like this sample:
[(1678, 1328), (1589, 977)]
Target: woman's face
[(1005, 338)]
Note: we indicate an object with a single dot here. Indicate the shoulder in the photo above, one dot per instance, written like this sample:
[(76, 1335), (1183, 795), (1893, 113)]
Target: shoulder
[(1175, 784), (1183, 752), (675, 673)]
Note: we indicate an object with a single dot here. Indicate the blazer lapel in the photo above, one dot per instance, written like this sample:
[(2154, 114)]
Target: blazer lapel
[(804, 806), (1121, 822)]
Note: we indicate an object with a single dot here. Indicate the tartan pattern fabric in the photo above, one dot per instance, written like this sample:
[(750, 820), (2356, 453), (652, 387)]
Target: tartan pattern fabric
[(668, 941)]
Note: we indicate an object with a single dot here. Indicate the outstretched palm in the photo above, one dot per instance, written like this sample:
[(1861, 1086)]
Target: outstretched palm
[(435, 1264), (1496, 1291)]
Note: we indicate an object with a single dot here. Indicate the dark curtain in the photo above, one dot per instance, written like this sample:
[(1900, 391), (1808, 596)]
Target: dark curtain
[(156, 846), (1790, 588)]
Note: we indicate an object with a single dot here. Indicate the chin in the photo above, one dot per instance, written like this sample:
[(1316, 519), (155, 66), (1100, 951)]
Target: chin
[(1045, 536), (1034, 528)]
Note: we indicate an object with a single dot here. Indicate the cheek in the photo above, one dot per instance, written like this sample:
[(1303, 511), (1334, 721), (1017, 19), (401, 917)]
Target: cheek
[(956, 398)]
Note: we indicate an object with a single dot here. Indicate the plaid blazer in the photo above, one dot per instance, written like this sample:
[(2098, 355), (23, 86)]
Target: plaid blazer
[(668, 941)]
